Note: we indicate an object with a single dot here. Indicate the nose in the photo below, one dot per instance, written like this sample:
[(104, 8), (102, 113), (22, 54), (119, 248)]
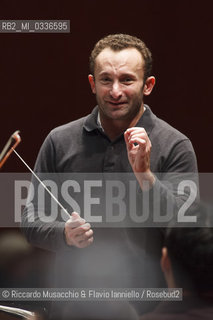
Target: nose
[(115, 91)]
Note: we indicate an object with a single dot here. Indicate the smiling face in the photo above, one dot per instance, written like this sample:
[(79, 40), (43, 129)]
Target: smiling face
[(119, 83)]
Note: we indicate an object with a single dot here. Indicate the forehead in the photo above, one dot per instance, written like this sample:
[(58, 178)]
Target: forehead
[(125, 60)]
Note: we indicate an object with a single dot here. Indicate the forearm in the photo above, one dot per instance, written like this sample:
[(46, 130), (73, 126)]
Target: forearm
[(169, 195), (45, 235), (145, 180)]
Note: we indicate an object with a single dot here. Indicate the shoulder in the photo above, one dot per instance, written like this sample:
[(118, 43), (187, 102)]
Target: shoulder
[(159, 129), (75, 128), (58, 143), (165, 135), (68, 129), (162, 129), (171, 149)]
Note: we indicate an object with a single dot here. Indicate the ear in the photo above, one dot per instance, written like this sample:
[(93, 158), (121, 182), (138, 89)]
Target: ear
[(92, 83), (149, 85), (165, 261)]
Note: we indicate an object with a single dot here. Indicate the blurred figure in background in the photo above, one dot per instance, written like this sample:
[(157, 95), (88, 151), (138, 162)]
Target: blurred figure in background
[(187, 262)]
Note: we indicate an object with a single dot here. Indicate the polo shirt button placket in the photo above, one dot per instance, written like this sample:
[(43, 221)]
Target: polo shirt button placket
[(109, 159)]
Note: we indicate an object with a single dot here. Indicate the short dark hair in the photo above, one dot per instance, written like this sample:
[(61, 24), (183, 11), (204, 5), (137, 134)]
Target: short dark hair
[(190, 250), (118, 42)]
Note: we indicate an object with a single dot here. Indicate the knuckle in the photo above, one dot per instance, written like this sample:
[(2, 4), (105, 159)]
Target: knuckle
[(86, 227), (83, 228), (89, 233), (91, 240)]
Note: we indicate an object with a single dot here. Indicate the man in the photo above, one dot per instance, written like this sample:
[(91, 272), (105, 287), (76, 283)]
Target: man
[(121, 135), (187, 261)]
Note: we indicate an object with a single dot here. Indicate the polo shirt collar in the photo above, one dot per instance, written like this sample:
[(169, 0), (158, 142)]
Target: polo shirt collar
[(90, 122), (146, 121)]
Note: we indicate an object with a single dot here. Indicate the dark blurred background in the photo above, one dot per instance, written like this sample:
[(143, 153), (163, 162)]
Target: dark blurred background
[(44, 82)]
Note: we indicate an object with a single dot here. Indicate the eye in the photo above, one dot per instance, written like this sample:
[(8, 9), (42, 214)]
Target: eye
[(127, 80), (105, 80)]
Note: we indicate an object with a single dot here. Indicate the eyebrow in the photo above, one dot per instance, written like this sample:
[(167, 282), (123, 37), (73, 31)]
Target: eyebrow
[(127, 74), (104, 73)]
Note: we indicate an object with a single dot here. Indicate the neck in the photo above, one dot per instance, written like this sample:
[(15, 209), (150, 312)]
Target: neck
[(114, 128)]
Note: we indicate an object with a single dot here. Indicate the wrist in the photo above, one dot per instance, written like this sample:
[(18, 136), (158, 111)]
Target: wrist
[(146, 180), (66, 239)]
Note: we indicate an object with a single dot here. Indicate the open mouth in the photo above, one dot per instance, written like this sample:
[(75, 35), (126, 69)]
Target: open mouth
[(116, 103)]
